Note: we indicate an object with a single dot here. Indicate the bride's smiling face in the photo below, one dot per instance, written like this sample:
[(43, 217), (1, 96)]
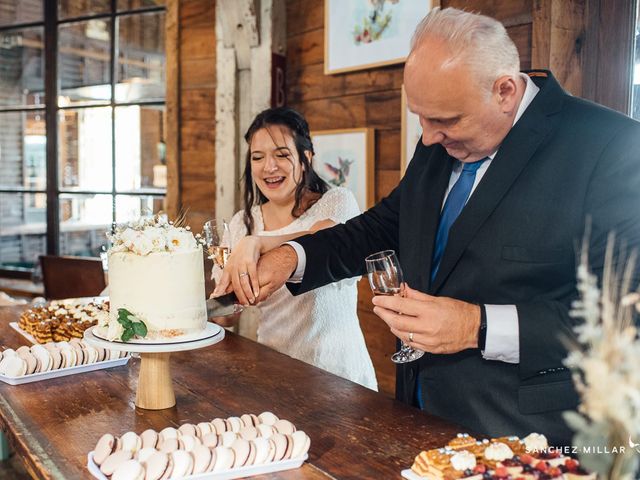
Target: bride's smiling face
[(275, 165)]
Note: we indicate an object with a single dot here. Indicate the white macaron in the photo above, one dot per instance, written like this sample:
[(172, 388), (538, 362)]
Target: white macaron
[(267, 418), (129, 470), (224, 458), (105, 447)]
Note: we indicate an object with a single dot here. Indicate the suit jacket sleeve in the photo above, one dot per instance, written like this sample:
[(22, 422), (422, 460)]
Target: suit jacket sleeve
[(338, 252), (612, 205)]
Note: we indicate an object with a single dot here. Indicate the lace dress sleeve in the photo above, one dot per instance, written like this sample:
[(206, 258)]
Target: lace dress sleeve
[(338, 205)]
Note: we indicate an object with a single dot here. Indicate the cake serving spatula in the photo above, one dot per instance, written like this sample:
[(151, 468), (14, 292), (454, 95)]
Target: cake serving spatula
[(223, 305)]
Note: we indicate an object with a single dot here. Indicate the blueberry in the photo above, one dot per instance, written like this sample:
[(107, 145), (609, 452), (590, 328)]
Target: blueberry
[(468, 472)]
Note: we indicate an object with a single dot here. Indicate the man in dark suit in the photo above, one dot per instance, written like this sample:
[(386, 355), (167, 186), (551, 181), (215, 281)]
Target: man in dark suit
[(485, 222)]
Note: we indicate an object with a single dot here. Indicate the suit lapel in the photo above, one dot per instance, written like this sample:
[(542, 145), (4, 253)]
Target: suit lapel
[(513, 155), (437, 174)]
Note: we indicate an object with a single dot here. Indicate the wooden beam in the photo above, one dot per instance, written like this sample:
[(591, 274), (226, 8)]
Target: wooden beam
[(611, 24), (558, 36), (172, 45)]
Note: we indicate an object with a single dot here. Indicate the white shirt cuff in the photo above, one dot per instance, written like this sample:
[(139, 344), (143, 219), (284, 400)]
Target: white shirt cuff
[(503, 338), (302, 262)]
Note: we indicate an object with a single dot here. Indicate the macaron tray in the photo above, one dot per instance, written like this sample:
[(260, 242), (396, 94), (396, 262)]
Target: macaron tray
[(235, 447), (52, 360)]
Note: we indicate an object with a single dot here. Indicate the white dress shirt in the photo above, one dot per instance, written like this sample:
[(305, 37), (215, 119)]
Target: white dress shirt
[(503, 339)]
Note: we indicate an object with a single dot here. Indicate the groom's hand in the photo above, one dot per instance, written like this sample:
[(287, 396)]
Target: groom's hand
[(274, 269)]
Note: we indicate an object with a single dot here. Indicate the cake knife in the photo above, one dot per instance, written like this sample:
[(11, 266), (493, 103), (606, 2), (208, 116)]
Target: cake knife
[(223, 305)]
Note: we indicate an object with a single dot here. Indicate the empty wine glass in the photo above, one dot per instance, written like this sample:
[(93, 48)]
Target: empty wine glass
[(214, 232), (385, 278)]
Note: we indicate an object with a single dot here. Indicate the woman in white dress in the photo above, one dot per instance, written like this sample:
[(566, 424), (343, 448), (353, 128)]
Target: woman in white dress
[(285, 198)]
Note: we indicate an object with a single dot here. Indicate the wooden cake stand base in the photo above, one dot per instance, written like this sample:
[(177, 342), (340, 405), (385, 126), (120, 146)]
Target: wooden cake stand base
[(155, 387)]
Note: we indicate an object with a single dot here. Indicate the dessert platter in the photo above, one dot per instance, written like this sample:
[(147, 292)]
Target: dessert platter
[(55, 359), (156, 303), (235, 447), (503, 458), (61, 320)]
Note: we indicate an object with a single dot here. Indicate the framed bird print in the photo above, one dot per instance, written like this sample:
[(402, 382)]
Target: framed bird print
[(344, 158), (361, 34)]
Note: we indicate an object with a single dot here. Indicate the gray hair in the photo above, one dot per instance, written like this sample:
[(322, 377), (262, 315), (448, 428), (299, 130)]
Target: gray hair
[(480, 42)]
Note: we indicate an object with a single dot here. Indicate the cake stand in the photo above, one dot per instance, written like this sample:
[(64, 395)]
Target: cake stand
[(155, 387)]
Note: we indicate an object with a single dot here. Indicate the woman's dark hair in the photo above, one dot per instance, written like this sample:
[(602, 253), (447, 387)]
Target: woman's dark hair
[(310, 181)]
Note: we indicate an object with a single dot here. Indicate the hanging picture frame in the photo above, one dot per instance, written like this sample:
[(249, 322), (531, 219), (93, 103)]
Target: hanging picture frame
[(361, 34), (344, 158)]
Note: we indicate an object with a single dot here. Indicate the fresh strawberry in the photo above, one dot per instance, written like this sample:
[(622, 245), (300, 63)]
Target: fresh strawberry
[(480, 468), (501, 472), (571, 464), (526, 459), (554, 472), (542, 466)]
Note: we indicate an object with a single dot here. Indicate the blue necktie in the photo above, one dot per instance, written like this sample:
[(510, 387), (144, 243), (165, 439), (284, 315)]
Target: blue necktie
[(452, 207)]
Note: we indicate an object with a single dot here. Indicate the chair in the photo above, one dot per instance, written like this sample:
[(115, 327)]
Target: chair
[(67, 277)]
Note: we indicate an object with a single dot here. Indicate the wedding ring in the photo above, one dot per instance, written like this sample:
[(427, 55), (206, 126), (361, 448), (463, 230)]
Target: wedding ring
[(410, 337), (242, 274)]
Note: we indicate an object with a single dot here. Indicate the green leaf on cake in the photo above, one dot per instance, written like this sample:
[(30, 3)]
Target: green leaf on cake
[(131, 325), (140, 329), (127, 335)]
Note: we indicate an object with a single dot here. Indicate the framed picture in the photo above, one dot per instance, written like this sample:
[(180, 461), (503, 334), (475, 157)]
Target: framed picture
[(344, 158), (410, 133), (361, 34)]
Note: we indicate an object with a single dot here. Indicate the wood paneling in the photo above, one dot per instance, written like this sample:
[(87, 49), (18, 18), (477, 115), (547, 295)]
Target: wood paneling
[(197, 47), (172, 134), (558, 33), (608, 52), (309, 82), (306, 48)]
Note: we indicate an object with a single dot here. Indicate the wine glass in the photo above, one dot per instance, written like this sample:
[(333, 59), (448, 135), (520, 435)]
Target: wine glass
[(385, 278), (214, 232)]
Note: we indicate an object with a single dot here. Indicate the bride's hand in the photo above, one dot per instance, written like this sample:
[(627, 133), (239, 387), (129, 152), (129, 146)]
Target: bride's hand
[(241, 272)]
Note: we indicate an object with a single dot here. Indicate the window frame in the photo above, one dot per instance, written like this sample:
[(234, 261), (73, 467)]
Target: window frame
[(51, 24)]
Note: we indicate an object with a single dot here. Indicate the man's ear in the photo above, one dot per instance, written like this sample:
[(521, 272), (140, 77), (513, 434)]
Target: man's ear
[(506, 90)]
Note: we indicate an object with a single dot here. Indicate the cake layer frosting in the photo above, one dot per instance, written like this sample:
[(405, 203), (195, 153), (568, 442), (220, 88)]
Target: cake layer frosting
[(163, 289)]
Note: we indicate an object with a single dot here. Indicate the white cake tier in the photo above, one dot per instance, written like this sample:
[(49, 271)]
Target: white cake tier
[(165, 290)]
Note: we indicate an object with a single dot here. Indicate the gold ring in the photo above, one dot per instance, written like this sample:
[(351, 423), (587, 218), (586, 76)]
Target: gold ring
[(242, 274), (410, 337)]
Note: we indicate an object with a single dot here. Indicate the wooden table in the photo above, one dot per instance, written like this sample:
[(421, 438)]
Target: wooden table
[(355, 433)]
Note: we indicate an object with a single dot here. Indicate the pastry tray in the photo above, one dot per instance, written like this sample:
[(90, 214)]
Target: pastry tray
[(240, 472), (63, 372)]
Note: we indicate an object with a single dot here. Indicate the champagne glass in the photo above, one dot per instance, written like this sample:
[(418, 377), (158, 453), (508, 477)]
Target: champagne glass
[(214, 232), (385, 278)]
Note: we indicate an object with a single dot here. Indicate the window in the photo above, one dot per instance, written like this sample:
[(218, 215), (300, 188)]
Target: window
[(82, 123)]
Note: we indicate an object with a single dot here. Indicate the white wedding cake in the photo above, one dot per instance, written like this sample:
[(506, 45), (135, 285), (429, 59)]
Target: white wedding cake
[(156, 274)]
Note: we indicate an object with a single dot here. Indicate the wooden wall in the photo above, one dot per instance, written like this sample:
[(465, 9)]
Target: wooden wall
[(191, 111), (371, 98)]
